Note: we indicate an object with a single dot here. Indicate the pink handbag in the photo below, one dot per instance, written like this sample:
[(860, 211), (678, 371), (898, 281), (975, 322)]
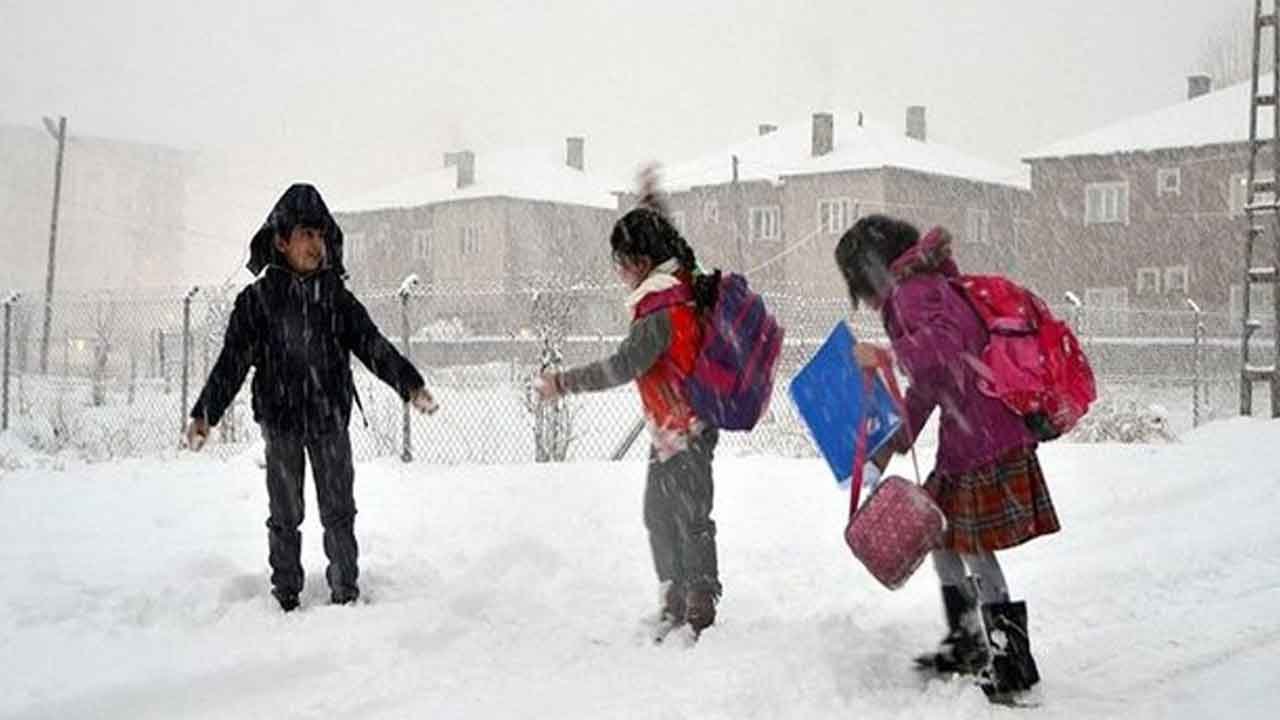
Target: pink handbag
[(898, 526)]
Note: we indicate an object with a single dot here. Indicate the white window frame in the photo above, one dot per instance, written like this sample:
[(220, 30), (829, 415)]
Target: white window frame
[(469, 242), (711, 212), (1106, 310), (422, 244), (833, 215), (765, 222), (1260, 298), (1174, 271), (354, 248), (1112, 206), (977, 224), (1163, 187), (1155, 275), (1237, 194)]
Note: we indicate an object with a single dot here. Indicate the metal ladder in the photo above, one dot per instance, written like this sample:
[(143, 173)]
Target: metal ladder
[(1262, 209)]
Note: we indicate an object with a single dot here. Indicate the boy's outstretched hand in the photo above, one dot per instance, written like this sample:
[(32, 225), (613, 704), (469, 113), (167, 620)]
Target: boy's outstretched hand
[(547, 386), (423, 402), (196, 435)]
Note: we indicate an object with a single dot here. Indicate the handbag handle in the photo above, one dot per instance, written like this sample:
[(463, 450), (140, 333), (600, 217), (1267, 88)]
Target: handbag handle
[(885, 363)]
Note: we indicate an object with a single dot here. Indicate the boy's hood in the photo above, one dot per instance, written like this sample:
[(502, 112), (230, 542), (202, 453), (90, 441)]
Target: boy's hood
[(300, 201)]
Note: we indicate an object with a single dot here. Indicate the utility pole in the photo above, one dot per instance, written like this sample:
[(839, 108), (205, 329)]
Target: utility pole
[(59, 133)]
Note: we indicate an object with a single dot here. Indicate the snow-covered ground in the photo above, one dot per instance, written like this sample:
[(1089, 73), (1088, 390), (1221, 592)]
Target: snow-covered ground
[(138, 588)]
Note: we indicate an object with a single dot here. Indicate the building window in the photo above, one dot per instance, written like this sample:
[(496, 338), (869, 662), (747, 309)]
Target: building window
[(1175, 279), (833, 215), (354, 249), (711, 212), (422, 244), (1237, 193), (470, 244), (766, 223), (1106, 203), (1149, 280), (677, 220), (1260, 299), (978, 225), (1169, 181), (1106, 310)]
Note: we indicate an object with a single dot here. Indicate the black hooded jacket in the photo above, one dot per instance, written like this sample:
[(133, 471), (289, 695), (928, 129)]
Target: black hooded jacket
[(299, 332)]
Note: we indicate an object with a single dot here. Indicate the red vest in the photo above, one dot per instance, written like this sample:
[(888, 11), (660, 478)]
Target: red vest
[(662, 386)]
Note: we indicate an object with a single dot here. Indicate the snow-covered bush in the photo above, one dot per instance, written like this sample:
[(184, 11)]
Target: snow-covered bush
[(1113, 420)]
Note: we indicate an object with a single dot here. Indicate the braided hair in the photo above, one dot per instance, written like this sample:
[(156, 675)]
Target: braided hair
[(646, 233)]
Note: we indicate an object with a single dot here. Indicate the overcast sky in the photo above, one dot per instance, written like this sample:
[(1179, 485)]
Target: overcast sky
[(355, 95)]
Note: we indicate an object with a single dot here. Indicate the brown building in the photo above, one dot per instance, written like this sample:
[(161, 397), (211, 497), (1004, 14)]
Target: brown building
[(776, 204), (484, 231), (1147, 212)]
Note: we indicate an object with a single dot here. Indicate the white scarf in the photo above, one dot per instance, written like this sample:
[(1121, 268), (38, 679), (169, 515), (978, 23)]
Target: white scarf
[(660, 278)]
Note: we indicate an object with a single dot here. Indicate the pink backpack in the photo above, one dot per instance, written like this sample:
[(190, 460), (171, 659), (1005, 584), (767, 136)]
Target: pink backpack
[(1033, 361)]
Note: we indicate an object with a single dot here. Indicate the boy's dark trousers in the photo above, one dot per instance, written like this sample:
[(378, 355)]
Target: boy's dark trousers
[(334, 477), (677, 512)]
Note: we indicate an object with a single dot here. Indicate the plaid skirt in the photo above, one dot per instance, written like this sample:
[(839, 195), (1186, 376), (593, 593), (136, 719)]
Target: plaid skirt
[(996, 506)]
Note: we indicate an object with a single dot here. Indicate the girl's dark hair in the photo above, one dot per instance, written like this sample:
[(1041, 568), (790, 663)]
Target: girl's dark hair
[(866, 251), (646, 233)]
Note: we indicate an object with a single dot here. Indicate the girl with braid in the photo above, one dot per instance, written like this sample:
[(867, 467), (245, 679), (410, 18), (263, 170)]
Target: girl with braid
[(668, 294)]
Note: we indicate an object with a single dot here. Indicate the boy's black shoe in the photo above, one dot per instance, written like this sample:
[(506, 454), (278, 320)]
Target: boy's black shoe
[(288, 600), (344, 597), (700, 610)]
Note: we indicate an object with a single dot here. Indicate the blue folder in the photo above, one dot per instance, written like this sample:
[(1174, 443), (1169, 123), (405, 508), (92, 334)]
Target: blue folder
[(829, 394)]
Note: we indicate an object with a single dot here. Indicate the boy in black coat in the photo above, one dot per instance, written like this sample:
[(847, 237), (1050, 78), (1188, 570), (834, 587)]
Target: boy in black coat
[(298, 325)]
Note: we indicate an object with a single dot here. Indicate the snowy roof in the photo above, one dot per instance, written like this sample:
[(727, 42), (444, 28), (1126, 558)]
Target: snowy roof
[(788, 151), (527, 174), (1212, 119)]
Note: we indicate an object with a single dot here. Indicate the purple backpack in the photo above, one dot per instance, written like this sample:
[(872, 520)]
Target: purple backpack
[(732, 379)]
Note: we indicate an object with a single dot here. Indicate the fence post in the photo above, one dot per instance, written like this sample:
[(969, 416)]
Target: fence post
[(164, 366), (1077, 310), (8, 329), (133, 376), (186, 355), (406, 288), (1197, 336)]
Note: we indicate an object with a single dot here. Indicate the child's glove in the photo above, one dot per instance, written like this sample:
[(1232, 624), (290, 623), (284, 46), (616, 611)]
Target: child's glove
[(547, 385), (423, 402), (196, 435)]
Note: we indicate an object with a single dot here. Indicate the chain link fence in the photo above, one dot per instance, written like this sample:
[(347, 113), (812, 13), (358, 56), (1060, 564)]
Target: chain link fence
[(122, 370)]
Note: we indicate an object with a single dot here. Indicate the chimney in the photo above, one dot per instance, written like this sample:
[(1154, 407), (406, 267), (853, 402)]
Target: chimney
[(574, 152), (1198, 85), (766, 128), (916, 126), (465, 161), (824, 134)]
